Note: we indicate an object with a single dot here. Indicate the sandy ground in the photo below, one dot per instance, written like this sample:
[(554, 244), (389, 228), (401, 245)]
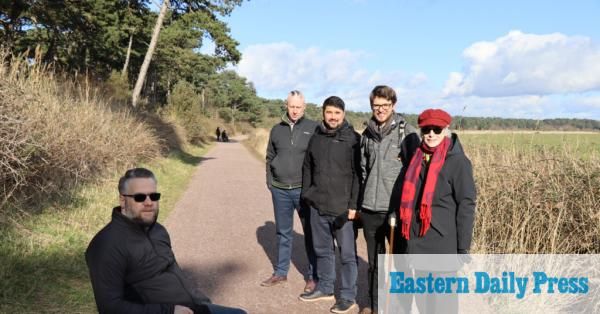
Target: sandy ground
[(223, 235)]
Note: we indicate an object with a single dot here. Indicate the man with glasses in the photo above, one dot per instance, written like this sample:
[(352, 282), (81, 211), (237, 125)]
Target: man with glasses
[(131, 264), (381, 145), (287, 145)]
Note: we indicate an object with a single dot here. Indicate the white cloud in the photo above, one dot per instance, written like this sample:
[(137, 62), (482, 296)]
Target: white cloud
[(498, 81), (528, 64), (583, 106), (277, 68)]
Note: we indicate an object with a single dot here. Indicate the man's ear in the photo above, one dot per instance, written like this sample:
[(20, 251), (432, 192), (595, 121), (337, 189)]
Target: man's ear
[(122, 201)]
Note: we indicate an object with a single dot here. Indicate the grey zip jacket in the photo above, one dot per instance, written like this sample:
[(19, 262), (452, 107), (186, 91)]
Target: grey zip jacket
[(285, 152), (381, 164)]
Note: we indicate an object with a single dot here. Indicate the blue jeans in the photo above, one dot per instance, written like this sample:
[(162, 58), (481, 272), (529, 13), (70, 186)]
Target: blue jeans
[(324, 232), (285, 202)]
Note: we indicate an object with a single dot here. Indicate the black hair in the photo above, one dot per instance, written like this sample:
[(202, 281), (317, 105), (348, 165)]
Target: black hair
[(334, 101), (134, 174)]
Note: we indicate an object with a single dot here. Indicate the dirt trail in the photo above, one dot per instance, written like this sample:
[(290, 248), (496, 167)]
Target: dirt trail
[(223, 235)]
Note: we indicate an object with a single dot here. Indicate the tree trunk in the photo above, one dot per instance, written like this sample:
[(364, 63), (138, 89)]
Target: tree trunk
[(142, 76), (233, 118), (124, 72), (202, 101)]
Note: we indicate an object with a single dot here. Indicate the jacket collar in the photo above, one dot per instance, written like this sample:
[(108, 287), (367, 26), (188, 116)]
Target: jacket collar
[(121, 220), (286, 119), (373, 129)]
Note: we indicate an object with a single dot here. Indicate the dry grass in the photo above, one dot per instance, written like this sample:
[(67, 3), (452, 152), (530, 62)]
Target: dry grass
[(531, 198), (257, 142), (536, 200), (56, 133)]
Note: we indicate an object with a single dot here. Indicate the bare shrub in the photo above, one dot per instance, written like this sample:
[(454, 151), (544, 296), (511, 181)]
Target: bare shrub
[(57, 132)]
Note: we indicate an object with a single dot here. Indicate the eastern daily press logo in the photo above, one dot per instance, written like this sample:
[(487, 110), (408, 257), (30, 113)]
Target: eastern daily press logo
[(484, 283), (507, 283)]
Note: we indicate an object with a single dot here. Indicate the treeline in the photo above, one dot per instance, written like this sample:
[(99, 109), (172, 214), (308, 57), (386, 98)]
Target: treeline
[(560, 124), (275, 110)]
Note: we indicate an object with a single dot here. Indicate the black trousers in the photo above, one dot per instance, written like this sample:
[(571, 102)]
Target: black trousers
[(375, 230)]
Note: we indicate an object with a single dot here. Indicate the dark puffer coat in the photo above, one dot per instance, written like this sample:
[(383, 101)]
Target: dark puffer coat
[(133, 270), (330, 174)]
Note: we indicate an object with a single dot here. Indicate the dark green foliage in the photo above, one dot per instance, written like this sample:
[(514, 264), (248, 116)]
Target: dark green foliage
[(92, 37), (184, 104), (118, 88)]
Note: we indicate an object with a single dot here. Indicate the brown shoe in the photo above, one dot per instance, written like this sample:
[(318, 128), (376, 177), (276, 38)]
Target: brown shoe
[(310, 285), (273, 280), (367, 310)]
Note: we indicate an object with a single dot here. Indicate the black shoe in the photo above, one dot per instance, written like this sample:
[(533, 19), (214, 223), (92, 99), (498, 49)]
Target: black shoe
[(343, 306), (315, 295)]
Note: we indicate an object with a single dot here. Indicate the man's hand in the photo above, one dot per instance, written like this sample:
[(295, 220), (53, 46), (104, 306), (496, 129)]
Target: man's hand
[(392, 221), (180, 309), (352, 214)]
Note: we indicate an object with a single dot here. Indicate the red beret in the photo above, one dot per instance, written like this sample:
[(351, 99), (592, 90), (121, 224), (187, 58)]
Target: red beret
[(435, 117)]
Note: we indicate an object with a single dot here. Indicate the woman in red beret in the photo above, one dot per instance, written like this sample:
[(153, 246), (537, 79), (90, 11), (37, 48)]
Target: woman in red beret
[(437, 204)]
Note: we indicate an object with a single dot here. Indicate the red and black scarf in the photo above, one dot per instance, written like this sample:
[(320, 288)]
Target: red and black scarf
[(411, 179)]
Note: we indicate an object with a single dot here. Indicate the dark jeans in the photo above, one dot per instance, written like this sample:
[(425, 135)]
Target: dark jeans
[(375, 230), (323, 235), (285, 202)]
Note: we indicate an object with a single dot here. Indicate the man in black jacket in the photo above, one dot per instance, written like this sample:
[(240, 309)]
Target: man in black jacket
[(131, 264), (330, 186), (287, 144)]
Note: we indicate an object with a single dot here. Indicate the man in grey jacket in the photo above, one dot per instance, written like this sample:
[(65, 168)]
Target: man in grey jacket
[(288, 141), (381, 144)]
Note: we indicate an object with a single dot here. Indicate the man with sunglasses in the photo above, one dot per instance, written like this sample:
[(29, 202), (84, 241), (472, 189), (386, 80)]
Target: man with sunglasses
[(131, 264), (380, 162), (437, 206)]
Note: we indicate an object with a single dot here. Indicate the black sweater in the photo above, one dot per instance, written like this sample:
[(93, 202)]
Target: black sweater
[(133, 270), (330, 181)]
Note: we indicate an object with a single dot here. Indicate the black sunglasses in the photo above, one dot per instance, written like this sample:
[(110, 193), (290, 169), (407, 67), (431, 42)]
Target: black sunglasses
[(141, 197), (427, 129)]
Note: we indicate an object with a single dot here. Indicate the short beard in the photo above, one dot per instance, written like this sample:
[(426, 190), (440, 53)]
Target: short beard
[(140, 222)]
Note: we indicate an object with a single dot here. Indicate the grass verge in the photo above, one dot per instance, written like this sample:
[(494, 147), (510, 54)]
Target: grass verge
[(42, 265)]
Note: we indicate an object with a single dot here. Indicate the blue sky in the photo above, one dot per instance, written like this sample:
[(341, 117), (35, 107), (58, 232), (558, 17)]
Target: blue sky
[(529, 59)]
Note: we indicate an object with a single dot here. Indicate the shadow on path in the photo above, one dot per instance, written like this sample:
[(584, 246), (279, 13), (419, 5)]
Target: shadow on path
[(209, 279), (267, 238)]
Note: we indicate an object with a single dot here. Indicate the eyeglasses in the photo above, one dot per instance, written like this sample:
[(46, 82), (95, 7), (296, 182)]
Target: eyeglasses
[(141, 197), (435, 129), (382, 106)]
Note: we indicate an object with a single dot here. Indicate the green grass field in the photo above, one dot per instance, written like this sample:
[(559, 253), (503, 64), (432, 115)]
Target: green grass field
[(42, 263)]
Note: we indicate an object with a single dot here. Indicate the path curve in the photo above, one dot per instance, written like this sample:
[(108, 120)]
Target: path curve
[(223, 235)]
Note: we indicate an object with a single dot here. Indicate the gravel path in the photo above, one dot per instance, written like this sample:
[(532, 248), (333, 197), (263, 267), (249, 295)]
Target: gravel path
[(223, 235)]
